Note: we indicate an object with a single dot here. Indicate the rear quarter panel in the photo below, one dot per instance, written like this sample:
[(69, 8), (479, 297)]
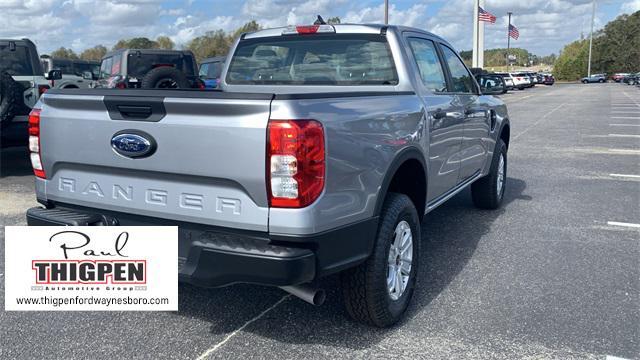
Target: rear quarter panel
[(363, 135)]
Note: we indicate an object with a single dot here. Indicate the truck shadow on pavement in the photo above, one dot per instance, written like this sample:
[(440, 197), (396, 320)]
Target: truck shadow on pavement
[(450, 235), (15, 162)]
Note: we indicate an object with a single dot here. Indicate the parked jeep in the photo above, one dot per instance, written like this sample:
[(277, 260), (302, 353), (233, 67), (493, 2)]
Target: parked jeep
[(149, 69), (21, 83), (322, 153), (76, 73)]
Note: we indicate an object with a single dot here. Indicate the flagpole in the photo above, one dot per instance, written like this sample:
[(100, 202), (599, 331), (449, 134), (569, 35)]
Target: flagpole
[(593, 16), (386, 12), (476, 34), (508, 40)]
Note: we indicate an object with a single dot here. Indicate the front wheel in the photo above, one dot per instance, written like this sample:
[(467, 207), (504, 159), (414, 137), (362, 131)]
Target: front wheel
[(378, 291), (488, 192)]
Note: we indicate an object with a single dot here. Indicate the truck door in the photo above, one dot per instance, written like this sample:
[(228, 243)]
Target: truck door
[(473, 154), (444, 118)]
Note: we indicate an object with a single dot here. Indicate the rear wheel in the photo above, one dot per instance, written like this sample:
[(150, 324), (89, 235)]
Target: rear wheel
[(378, 291), (488, 192)]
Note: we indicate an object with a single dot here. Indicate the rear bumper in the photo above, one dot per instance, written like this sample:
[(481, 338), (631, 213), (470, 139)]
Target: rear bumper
[(212, 257)]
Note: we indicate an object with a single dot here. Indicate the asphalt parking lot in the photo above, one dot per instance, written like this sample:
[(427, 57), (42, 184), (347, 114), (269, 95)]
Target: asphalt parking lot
[(554, 274)]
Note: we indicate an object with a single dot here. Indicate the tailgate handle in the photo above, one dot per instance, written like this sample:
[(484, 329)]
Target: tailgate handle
[(135, 108), (138, 112)]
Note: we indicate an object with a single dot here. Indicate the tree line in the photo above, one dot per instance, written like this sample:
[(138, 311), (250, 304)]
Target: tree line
[(616, 48), (498, 57), (212, 43)]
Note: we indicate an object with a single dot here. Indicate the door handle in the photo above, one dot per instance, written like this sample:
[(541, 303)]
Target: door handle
[(439, 114)]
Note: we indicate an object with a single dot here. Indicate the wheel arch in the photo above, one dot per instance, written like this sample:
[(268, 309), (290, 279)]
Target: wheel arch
[(398, 179), (505, 132)]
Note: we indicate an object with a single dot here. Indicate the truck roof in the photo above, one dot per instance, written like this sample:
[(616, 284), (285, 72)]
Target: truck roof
[(347, 29)]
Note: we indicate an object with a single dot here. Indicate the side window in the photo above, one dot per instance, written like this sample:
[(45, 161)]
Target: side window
[(204, 69), (460, 76), (105, 68), (426, 56)]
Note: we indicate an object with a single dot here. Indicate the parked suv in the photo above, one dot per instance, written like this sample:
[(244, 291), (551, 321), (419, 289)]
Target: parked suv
[(149, 69), (595, 78), (21, 83), (321, 154), (75, 73)]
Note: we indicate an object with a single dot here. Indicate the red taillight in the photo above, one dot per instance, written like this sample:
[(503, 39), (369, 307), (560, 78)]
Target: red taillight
[(295, 162), (42, 89), (34, 143), (307, 29), (121, 85)]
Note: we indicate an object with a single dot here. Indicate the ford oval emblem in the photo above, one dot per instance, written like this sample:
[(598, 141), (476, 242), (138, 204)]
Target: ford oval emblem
[(133, 144)]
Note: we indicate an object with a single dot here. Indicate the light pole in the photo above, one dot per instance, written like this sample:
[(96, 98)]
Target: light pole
[(508, 39), (386, 12), (593, 17)]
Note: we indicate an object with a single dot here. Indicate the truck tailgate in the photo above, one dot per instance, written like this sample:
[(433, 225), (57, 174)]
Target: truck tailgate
[(208, 166)]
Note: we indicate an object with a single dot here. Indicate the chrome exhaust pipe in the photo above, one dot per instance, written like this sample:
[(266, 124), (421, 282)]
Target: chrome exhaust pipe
[(311, 295)]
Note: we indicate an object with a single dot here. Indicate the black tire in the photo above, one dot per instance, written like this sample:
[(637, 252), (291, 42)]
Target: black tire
[(10, 98), (165, 77), (601, 81), (364, 287), (485, 192)]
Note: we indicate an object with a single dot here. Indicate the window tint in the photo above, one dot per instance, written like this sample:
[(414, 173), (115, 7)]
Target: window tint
[(16, 62), (64, 65), (462, 81), (313, 60), (424, 52)]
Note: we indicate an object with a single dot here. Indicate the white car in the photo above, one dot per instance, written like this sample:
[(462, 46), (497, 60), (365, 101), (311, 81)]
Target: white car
[(520, 81)]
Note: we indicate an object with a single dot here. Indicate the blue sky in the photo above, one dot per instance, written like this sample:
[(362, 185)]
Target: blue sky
[(545, 25)]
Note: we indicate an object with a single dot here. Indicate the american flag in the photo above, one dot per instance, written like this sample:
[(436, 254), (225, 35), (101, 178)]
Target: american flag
[(486, 16), (513, 32)]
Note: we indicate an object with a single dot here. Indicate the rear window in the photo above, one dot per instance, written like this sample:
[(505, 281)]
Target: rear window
[(139, 64), (80, 68), (17, 62), (313, 60), (64, 65)]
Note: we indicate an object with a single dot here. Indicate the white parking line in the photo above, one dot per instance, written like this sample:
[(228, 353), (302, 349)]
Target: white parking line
[(630, 136), (539, 120), (624, 124), (610, 357), (625, 151), (228, 337), (623, 224), (625, 136), (625, 117), (625, 176)]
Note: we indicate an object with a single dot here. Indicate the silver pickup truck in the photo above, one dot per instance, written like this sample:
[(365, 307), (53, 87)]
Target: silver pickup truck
[(320, 154)]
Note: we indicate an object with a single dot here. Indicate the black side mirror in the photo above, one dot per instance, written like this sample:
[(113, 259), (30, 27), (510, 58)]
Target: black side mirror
[(491, 84), (87, 75), (55, 74)]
